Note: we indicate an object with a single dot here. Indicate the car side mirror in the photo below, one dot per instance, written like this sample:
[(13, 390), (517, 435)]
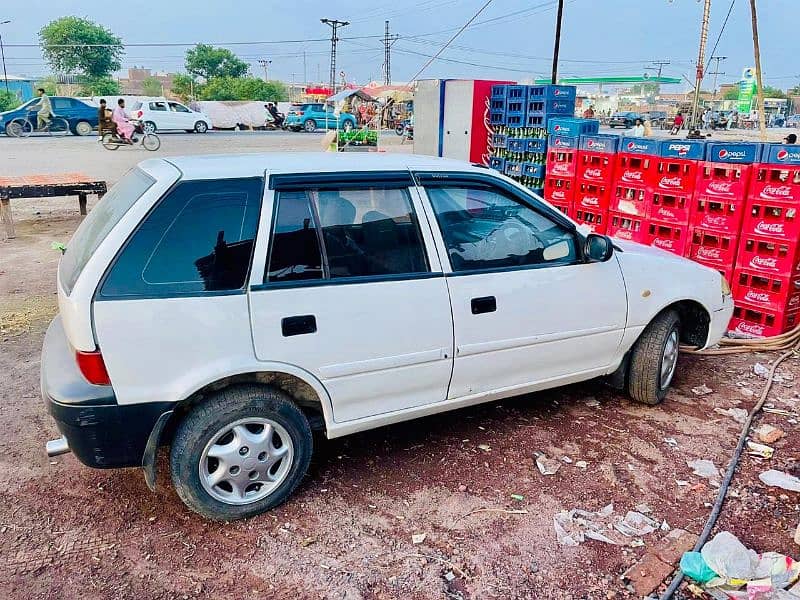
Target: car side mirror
[(598, 248)]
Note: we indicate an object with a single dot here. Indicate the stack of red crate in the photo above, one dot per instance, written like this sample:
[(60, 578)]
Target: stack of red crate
[(559, 181), (594, 180), (631, 189), (766, 285)]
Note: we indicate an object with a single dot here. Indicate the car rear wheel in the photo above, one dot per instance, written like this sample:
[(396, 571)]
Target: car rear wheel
[(654, 359), (149, 127), (83, 128), (201, 127), (240, 453), (310, 125)]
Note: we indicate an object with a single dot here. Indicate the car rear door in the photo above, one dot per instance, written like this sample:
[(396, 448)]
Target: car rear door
[(352, 291), (528, 312), (159, 114)]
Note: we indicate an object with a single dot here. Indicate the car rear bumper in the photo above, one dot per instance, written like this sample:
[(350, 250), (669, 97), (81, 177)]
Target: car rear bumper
[(100, 432)]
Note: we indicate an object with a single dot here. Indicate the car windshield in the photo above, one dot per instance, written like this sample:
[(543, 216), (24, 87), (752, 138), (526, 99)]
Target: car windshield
[(99, 223)]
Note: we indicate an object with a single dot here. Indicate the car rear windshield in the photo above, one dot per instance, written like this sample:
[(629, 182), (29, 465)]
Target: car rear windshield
[(99, 223), (136, 106)]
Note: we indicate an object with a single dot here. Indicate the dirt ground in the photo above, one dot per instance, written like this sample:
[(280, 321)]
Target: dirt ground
[(67, 531)]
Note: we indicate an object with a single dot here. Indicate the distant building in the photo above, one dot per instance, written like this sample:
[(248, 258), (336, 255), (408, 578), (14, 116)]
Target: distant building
[(21, 86), (133, 84)]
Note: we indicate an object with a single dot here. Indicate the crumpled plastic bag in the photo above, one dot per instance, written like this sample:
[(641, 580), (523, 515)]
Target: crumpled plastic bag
[(728, 557), (693, 565)]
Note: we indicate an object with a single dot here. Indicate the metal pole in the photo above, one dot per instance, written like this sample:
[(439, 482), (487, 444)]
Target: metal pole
[(557, 44), (3, 54), (334, 24), (701, 59), (716, 72), (305, 72), (762, 124)]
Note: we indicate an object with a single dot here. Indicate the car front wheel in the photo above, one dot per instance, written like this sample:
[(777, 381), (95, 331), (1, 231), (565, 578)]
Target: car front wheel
[(242, 452), (347, 126), (201, 127), (654, 359)]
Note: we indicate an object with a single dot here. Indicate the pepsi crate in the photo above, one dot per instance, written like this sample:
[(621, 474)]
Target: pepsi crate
[(537, 92), (517, 99), (683, 149), (536, 145), (498, 163), (740, 152), (513, 168), (538, 191), (500, 91), (556, 106), (607, 144), (572, 127), (637, 145), (531, 169), (537, 104), (562, 92), (535, 119), (517, 144), (497, 117), (515, 120), (780, 154), (499, 140), (565, 142), (497, 104)]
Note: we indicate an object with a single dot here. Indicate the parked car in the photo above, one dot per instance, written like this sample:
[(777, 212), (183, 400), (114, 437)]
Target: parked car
[(312, 116), (793, 121), (82, 118), (623, 119), (158, 115), (658, 119), (226, 312)]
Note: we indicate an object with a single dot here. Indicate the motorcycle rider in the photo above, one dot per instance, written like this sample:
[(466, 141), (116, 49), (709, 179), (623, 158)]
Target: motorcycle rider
[(277, 117)]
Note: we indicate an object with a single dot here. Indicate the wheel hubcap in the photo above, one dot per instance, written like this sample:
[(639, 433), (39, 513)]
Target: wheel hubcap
[(670, 359), (246, 461)]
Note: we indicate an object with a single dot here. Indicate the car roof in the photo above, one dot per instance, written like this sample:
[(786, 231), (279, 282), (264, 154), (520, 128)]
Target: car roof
[(220, 166)]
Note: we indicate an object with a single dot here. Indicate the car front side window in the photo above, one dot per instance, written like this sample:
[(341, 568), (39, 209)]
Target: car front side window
[(485, 228)]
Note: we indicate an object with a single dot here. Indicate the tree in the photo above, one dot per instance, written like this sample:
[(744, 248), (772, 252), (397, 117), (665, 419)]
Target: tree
[(99, 86), (50, 85), (75, 45), (8, 101), (243, 88), (185, 87), (771, 92), (151, 87), (207, 62), (731, 94)]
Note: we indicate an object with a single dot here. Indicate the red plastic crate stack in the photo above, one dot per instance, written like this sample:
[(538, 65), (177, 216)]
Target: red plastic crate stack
[(669, 211), (594, 182), (559, 181), (767, 276), (631, 196)]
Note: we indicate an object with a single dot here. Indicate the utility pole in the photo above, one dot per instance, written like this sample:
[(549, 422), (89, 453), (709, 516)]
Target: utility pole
[(701, 60), (762, 124), (659, 66), (334, 24), (305, 71), (265, 63), (388, 42), (3, 54), (716, 72), (557, 44)]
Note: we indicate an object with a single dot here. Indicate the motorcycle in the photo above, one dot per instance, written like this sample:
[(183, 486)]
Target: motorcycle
[(148, 141), (275, 123), (405, 129)]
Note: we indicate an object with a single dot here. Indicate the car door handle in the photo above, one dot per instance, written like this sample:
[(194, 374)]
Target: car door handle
[(299, 325), (486, 304)]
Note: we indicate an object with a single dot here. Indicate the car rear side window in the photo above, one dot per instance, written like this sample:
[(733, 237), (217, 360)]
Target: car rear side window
[(345, 233), (198, 239), (99, 223)]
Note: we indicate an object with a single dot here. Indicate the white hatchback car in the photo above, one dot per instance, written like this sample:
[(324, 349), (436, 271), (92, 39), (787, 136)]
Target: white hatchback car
[(159, 115), (228, 305)]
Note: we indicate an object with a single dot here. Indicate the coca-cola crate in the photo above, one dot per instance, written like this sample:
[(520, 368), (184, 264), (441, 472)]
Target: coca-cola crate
[(635, 169), (716, 214), (769, 292), (670, 207), (767, 255), (564, 207), (559, 189), (561, 162), (597, 220), (754, 321), (775, 182), (669, 236), (773, 219), (597, 167), (592, 196), (675, 175), (627, 227), (631, 200), (723, 180), (713, 249)]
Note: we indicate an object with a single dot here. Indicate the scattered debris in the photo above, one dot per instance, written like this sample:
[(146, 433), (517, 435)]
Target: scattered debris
[(418, 538), (703, 468), (575, 526), (737, 414), (657, 564), (643, 508), (517, 497), (449, 577), (761, 370), (664, 526), (681, 482), (485, 447), (566, 459), (777, 411), (581, 464), (547, 466), (747, 392), (636, 524), (592, 403), (702, 390), (769, 434), (760, 450), (797, 535), (671, 442), (780, 479)]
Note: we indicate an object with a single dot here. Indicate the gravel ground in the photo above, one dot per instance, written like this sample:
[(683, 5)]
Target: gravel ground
[(67, 531)]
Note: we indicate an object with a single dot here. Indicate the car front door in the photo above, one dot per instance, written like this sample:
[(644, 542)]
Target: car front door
[(160, 115), (184, 118), (528, 311), (352, 291)]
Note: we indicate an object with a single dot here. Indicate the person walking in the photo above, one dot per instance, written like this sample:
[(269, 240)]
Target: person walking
[(677, 124), (790, 139), (706, 118), (648, 128), (45, 113), (732, 118), (638, 129)]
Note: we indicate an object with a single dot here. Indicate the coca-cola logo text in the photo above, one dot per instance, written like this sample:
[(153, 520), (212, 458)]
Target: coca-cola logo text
[(590, 201), (770, 228), (666, 213), (709, 253), (720, 187), (670, 182), (632, 176), (593, 174), (756, 296), (776, 191), (764, 262), (714, 221), (749, 329), (667, 244)]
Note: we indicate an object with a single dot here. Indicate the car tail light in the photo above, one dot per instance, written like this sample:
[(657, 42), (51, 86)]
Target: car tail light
[(139, 114), (92, 367)]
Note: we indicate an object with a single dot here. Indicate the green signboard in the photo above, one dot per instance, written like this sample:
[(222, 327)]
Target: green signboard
[(747, 89)]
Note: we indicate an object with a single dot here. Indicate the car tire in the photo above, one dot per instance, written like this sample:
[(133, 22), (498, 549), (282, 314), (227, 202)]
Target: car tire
[(310, 125), (201, 127), (226, 420), (654, 358), (348, 126), (149, 127), (83, 128)]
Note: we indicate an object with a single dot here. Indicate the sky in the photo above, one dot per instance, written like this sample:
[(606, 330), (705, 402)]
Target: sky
[(511, 39)]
